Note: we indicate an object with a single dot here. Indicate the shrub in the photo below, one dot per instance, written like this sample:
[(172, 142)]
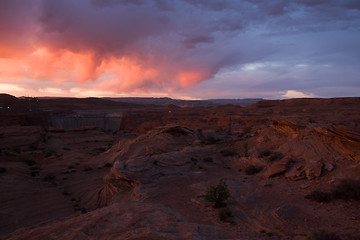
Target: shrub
[(324, 235), (217, 194), (319, 196), (250, 170), (2, 170)]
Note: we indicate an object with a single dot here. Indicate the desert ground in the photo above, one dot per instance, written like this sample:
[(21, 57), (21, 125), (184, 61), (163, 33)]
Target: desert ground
[(102, 169)]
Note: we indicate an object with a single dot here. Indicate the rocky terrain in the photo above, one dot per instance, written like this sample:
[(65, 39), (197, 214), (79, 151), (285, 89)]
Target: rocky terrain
[(291, 167)]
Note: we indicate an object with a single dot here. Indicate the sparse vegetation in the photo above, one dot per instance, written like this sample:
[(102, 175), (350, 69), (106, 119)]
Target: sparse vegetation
[(250, 170), (217, 194), (324, 235)]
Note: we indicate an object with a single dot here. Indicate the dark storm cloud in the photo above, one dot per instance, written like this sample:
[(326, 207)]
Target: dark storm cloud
[(198, 37)]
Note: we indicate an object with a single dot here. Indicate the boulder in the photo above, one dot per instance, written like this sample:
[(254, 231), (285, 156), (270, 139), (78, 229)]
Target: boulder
[(297, 172), (313, 170), (277, 168)]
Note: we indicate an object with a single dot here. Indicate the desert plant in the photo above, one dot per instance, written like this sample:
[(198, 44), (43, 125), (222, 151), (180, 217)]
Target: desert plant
[(217, 194), (324, 235)]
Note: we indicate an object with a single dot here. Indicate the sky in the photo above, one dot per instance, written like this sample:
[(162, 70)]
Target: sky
[(188, 49)]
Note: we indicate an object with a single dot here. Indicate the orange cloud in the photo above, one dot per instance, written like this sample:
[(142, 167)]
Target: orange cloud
[(123, 74)]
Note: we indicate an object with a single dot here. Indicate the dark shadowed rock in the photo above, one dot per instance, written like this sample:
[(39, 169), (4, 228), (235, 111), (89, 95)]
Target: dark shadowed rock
[(297, 172), (313, 170)]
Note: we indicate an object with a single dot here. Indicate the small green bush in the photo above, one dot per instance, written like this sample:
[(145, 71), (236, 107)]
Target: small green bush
[(217, 194)]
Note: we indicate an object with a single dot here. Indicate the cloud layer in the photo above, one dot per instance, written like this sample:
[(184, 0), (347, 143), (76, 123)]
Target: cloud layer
[(181, 48)]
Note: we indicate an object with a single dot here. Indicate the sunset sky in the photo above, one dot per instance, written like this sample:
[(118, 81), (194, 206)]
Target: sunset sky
[(189, 49)]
